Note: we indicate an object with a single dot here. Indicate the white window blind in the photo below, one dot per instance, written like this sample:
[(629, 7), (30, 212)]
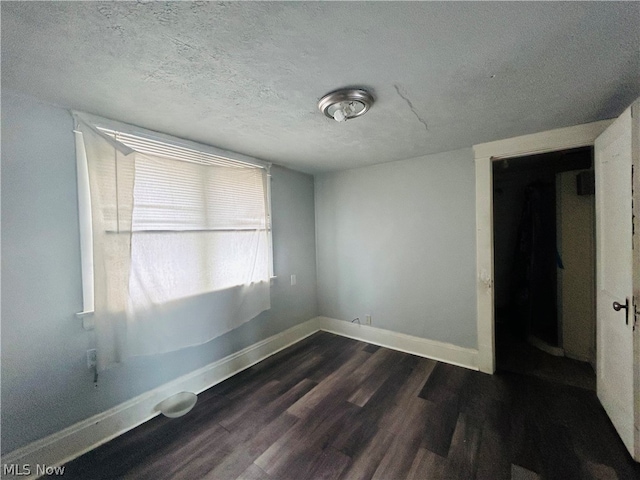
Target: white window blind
[(183, 241), (180, 189)]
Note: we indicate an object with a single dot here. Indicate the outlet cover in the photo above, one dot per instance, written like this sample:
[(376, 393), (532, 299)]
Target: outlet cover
[(92, 358)]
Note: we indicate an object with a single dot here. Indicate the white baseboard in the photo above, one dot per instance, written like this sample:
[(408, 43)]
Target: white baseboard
[(445, 352), (70, 443)]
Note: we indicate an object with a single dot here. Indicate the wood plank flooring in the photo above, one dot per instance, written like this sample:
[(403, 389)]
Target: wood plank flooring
[(334, 408)]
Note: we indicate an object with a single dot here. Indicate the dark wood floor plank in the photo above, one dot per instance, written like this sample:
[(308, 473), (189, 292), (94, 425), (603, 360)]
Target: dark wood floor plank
[(486, 399), (462, 460), (199, 466), (330, 386), (445, 383), (383, 358), (256, 431), (333, 407), (258, 375), (366, 462), (393, 416), (391, 391), (329, 465), (243, 406), (373, 374), (428, 465), (525, 443), (371, 348), (243, 456), (265, 406), (302, 444), (441, 419), (401, 454), (171, 435), (304, 369), (518, 356), (367, 422), (284, 361), (335, 355), (570, 406), (560, 459), (493, 464), (254, 472), (166, 463)]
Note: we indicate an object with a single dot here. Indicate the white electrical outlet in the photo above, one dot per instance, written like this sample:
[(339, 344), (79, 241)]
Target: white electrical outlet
[(293, 280), (92, 358), (368, 319)]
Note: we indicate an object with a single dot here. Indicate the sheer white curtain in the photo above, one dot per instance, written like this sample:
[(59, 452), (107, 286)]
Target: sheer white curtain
[(181, 248)]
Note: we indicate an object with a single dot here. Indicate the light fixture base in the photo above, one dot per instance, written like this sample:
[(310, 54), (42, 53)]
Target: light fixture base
[(345, 104)]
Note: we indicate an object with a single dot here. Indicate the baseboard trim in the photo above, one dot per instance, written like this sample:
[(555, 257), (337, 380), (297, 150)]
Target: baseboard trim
[(444, 352), (65, 445), (62, 447)]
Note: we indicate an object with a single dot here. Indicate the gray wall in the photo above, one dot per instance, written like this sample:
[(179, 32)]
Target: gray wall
[(45, 383), (397, 241), (576, 240)]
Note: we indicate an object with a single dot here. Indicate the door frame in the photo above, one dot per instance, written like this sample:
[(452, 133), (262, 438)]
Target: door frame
[(635, 162), (485, 154), (552, 140)]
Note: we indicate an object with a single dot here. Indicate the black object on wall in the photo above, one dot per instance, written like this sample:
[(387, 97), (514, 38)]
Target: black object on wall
[(586, 183)]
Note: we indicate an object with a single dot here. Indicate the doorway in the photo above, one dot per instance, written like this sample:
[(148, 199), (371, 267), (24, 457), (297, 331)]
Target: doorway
[(544, 265), (617, 375)]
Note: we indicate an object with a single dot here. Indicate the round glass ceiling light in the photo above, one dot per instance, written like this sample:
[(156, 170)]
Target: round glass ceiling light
[(342, 105)]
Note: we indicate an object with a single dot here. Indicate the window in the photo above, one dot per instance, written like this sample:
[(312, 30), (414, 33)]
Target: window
[(181, 239)]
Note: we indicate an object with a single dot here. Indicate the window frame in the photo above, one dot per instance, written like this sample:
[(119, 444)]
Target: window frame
[(84, 194)]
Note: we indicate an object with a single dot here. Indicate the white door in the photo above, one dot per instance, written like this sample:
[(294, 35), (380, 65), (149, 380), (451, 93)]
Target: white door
[(614, 273)]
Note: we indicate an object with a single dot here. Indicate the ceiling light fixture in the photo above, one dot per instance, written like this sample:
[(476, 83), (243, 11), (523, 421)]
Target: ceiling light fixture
[(342, 105)]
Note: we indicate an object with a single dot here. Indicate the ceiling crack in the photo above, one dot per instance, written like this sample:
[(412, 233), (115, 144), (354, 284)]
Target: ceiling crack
[(179, 42), (411, 107)]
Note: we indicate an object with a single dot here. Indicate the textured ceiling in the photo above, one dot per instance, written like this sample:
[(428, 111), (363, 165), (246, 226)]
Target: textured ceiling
[(246, 76)]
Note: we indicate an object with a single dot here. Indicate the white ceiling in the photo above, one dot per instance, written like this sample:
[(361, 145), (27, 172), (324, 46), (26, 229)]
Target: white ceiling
[(246, 76)]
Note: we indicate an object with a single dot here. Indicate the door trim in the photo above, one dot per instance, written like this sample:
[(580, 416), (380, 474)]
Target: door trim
[(635, 162), (486, 153)]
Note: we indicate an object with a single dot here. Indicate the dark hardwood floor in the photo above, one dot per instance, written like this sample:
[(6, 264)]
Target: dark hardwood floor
[(517, 356), (334, 408)]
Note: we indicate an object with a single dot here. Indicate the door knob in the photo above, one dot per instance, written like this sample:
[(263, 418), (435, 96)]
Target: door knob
[(618, 306)]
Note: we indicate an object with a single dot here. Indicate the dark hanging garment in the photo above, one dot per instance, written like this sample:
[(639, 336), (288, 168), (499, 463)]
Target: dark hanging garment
[(534, 274)]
